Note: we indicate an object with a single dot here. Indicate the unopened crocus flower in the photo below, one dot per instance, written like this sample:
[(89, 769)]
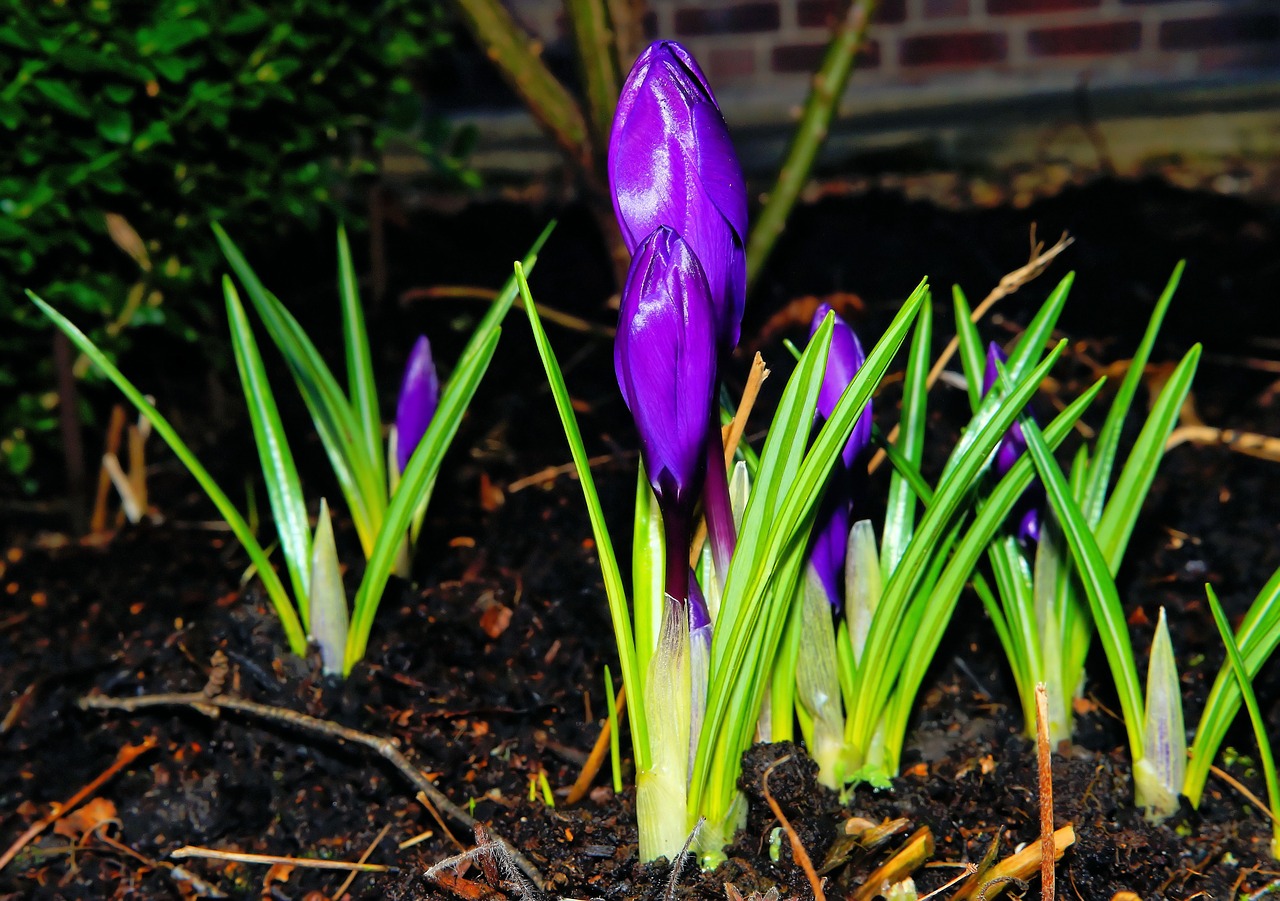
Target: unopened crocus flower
[(665, 360), (672, 163), (831, 531), (419, 397), (1013, 444)]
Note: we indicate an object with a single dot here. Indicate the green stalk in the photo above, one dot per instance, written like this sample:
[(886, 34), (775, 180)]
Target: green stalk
[(511, 49), (270, 579), (591, 24), (819, 109), (615, 593), (1245, 684)]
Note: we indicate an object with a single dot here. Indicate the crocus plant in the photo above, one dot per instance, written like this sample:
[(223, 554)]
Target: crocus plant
[(1045, 608), (708, 678), (386, 488)]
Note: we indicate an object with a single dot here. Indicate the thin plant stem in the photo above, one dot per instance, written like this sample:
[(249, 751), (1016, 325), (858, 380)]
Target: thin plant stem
[(828, 86)]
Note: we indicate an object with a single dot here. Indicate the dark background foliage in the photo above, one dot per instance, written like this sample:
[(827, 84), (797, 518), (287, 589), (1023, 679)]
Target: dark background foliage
[(129, 126)]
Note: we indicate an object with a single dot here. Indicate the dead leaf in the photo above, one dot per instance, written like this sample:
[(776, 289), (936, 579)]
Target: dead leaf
[(495, 619), (87, 818), (279, 872)]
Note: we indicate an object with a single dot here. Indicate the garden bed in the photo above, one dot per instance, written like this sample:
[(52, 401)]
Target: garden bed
[(489, 671)]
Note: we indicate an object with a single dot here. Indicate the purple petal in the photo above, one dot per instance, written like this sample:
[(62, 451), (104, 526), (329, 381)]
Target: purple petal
[(1029, 526), (994, 356), (844, 359), (419, 397), (831, 538), (699, 613), (672, 163), (664, 359)]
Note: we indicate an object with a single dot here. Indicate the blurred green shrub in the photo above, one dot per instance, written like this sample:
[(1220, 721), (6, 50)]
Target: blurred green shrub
[(126, 127)]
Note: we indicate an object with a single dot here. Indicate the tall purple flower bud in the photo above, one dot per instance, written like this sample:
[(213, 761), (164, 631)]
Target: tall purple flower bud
[(1013, 444), (831, 531), (672, 163), (419, 397), (665, 360)]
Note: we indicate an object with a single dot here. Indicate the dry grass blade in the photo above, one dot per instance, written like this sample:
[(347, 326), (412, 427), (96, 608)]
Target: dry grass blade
[(364, 858), (188, 851), (1016, 868), (909, 858), (599, 752)]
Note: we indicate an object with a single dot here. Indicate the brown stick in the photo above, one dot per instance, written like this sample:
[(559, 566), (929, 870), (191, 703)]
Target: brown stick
[(385, 747), (126, 756), (798, 853), (115, 426), (599, 751), (1044, 760), (1040, 260)]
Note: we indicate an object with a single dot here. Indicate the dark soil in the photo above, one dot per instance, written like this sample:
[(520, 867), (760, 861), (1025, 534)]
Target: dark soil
[(488, 669)]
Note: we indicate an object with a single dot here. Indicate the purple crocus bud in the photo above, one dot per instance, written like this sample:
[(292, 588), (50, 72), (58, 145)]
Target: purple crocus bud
[(419, 397), (844, 359), (831, 530), (665, 360), (1013, 444), (672, 163)]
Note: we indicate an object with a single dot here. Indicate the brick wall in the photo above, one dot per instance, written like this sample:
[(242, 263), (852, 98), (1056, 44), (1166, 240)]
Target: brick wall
[(993, 84), (764, 50)]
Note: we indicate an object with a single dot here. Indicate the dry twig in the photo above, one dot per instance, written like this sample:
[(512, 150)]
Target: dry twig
[(1044, 760), (1041, 257), (386, 747)]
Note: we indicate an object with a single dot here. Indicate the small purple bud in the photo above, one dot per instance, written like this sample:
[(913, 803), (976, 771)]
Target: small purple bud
[(1013, 444), (665, 360), (419, 397), (844, 359), (672, 163), (831, 530)]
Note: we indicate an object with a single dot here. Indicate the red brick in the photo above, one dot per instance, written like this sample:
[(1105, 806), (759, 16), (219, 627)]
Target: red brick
[(1018, 7), (945, 9), (1086, 40), (807, 57), (826, 13), (966, 48), (744, 18), (727, 64), (1218, 31)]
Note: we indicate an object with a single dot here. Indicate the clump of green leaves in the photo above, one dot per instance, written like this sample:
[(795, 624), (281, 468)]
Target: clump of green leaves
[(129, 127), (386, 506)]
